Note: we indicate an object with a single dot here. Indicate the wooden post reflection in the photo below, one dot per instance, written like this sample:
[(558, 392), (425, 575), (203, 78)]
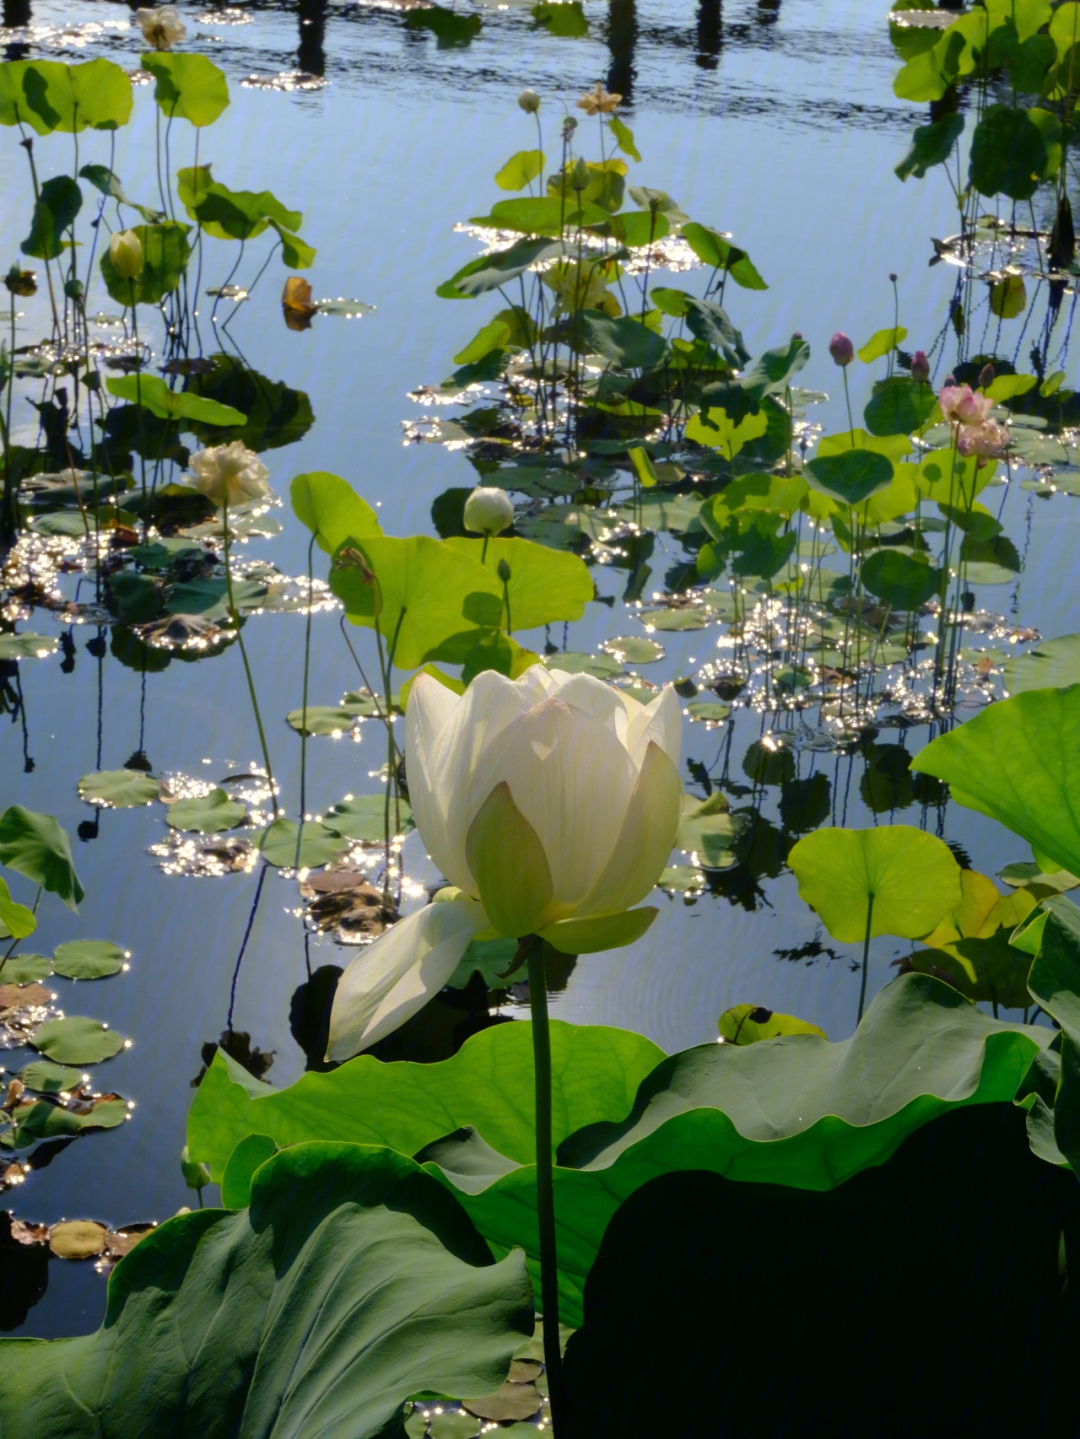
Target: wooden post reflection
[(622, 40), (310, 55), (710, 34)]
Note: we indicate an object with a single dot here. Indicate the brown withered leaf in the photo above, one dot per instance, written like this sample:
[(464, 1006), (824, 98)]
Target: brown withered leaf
[(122, 1241), (29, 1233), (296, 303), (343, 898), (24, 996), (12, 1175)]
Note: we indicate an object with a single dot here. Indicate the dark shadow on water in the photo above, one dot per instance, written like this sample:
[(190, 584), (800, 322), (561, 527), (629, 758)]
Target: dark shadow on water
[(309, 1015), (923, 1298), (237, 1045)]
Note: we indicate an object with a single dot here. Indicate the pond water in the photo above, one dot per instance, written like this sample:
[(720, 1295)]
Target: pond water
[(774, 121)]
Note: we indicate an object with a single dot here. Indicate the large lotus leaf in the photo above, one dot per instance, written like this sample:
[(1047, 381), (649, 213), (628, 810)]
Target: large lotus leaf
[(1013, 149), (488, 1084), (797, 1111), (352, 1282), (331, 509), (165, 257), (970, 948), (931, 145), (540, 215), (228, 214), (716, 250), (489, 272), (189, 86), (1019, 762), (427, 592), (36, 846), (852, 475), (48, 95), (625, 343), (88, 959), (154, 395), (912, 878), (75, 1039), (16, 921), (903, 581), (1055, 982), (1053, 664), (544, 586), (118, 788)]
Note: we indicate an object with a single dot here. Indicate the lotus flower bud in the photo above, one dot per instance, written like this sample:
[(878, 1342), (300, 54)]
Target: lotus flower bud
[(503, 571), (986, 377), (841, 348), (920, 367), (126, 254), (550, 802), (529, 101), (488, 511), (579, 175)]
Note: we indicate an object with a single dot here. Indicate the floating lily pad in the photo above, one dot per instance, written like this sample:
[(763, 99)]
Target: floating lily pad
[(76, 1040), (317, 846), (511, 1401), (45, 1077), (682, 879), (363, 818), (118, 788), (24, 996), (707, 830), (88, 959), (633, 649), (676, 619), (26, 968), (573, 662), (323, 719), (45, 1119), (208, 814), (27, 647), (708, 711), (1053, 664), (77, 1239)]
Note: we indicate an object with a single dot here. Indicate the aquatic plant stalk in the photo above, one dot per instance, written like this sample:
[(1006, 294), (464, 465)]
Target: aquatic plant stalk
[(865, 957), (545, 1186), (235, 617)]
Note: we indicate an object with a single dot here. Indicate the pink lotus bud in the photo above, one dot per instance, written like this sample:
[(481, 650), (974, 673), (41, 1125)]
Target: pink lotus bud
[(920, 367), (841, 348), (986, 377), (961, 404)]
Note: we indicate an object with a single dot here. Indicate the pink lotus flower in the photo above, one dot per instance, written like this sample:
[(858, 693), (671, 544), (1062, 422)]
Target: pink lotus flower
[(962, 405), (988, 439), (920, 367)]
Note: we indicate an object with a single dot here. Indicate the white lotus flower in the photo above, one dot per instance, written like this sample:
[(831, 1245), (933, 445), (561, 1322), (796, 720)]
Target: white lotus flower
[(229, 474), (551, 802), (161, 27), (126, 254)]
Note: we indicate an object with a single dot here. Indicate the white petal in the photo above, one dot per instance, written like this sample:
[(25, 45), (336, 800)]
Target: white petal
[(484, 710), (646, 838), (660, 721), (572, 779), (390, 980), (429, 709), (610, 706)]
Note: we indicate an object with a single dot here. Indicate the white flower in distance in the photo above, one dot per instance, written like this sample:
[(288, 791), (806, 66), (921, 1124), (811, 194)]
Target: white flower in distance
[(488, 511), (162, 27), (230, 474), (551, 803)]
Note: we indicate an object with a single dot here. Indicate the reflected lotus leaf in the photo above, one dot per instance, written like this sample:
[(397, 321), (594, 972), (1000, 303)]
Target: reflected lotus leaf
[(276, 414)]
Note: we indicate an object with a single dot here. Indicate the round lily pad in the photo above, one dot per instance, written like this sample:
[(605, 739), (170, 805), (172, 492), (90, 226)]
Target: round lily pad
[(88, 959), (318, 844), (363, 818), (323, 719), (709, 711), (26, 969), (511, 1401), (118, 788), (633, 649), (574, 662), (208, 814), (76, 1040), (689, 619), (77, 1239), (44, 1077), (27, 647)]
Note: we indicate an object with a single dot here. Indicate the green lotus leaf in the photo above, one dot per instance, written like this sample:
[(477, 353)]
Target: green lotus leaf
[(189, 86), (331, 509), (76, 1040), (1019, 763), (353, 1281), (1052, 664), (118, 788), (208, 814), (544, 586), (751, 1023), (36, 846), (892, 880), (50, 96), (282, 844), (88, 959), (165, 257)]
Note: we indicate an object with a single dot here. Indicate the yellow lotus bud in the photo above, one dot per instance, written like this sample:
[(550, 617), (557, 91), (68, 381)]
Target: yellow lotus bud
[(488, 511), (126, 254)]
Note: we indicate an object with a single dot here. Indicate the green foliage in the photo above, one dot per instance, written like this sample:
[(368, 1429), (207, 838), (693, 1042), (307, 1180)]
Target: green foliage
[(904, 581), (1013, 150), (713, 249), (222, 1322), (276, 414), (54, 213), (851, 475), (118, 788), (931, 145), (1019, 763), (208, 814), (16, 919), (76, 1040), (36, 846), (892, 880), (331, 509), (48, 95), (544, 585), (153, 394), (1052, 664), (88, 959), (189, 86), (750, 1023), (1054, 981), (165, 256), (520, 169)]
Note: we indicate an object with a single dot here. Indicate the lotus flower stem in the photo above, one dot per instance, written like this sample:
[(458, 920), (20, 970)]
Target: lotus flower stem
[(303, 718), (545, 1189), (235, 617), (865, 956)]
